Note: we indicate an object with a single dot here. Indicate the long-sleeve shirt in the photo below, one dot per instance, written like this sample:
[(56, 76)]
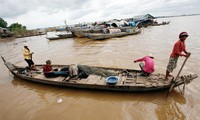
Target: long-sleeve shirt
[(179, 47), (148, 64), (26, 53)]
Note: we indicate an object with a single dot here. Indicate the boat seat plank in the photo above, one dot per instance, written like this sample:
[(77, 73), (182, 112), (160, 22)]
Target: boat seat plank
[(82, 81), (123, 81), (101, 81), (92, 79), (120, 79)]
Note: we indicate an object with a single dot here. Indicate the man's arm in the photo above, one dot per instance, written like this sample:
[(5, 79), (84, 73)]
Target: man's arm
[(138, 60)]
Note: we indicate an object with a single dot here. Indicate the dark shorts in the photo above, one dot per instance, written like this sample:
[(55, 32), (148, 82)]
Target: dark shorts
[(30, 62), (172, 64)]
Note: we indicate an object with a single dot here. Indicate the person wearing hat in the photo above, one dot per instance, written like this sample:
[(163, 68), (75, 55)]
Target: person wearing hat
[(178, 48), (28, 56), (49, 72), (148, 66)]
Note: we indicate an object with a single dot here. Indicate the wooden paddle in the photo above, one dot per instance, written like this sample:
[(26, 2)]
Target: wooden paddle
[(172, 86)]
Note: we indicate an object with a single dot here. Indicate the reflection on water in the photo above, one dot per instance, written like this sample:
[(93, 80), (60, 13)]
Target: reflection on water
[(130, 102), (40, 101)]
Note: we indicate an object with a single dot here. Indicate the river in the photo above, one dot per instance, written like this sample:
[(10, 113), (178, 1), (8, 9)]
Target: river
[(22, 100)]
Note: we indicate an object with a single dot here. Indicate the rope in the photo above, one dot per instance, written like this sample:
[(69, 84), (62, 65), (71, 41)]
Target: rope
[(10, 73), (185, 81)]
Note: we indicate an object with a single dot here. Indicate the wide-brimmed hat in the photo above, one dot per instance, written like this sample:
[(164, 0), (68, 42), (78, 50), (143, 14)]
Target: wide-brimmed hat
[(48, 62), (150, 55), (25, 44)]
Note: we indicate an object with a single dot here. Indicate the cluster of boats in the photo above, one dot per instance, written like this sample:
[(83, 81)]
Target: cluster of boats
[(106, 33), (109, 29), (98, 33)]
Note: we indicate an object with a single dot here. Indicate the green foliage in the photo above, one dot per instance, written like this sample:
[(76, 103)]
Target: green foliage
[(3, 23), (17, 28)]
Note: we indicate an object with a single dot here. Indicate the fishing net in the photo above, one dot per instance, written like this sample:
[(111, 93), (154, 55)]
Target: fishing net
[(96, 71)]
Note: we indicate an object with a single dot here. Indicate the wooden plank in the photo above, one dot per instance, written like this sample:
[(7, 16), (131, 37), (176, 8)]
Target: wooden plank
[(123, 82), (82, 81), (120, 80), (92, 79), (101, 81)]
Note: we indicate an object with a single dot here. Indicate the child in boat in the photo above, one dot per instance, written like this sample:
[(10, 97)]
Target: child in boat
[(49, 72), (148, 66)]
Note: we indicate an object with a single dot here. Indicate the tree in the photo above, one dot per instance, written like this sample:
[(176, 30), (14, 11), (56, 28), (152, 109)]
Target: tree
[(3, 23), (17, 28)]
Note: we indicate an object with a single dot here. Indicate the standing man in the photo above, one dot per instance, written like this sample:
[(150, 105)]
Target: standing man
[(28, 56), (178, 48)]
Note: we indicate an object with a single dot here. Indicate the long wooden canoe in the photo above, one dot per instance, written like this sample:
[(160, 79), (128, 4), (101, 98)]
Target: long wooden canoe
[(129, 80), (102, 36), (60, 36)]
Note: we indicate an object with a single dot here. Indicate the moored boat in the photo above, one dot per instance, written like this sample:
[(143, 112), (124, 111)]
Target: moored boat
[(162, 23), (53, 38), (60, 36), (101, 78), (69, 35), (102, 36), (80, 34)]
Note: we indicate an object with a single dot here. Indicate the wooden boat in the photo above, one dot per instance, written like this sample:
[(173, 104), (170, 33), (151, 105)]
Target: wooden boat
[(80, 34), (60, 36), (126, 80), (102, 36), (53, 38), (162, 23), (68, 35)]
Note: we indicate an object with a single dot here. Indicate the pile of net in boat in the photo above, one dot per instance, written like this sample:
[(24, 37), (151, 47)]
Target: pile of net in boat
[(84, 71)]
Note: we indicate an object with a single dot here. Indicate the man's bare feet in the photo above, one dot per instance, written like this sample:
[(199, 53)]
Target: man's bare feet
[(166, 79)]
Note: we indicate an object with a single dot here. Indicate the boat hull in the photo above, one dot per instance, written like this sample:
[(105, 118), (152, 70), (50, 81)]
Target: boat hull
[(102, 36), (130, 80)]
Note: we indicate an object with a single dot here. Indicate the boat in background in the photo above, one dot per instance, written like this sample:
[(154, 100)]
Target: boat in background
[(162, 23), (60, 36), (65, 35), (109, 34)]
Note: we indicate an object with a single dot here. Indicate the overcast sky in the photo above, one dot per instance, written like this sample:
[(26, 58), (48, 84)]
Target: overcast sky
[(48, 13)]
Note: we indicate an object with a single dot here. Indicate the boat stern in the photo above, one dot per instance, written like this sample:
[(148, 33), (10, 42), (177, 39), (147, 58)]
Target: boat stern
[(185, 79)]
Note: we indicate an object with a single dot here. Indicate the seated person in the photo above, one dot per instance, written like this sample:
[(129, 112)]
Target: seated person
[(49, 72), (148, 66)]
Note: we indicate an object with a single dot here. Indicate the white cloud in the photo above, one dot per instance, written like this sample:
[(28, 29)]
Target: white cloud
[(44, 13)]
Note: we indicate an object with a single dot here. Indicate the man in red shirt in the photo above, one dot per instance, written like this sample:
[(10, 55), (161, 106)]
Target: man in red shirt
[(179, 47)]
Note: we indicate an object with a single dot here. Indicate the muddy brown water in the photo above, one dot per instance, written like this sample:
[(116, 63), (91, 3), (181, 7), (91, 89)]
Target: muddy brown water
[(22, 100)]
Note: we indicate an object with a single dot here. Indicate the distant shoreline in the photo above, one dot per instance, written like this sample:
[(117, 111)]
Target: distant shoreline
[(177, 16)]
